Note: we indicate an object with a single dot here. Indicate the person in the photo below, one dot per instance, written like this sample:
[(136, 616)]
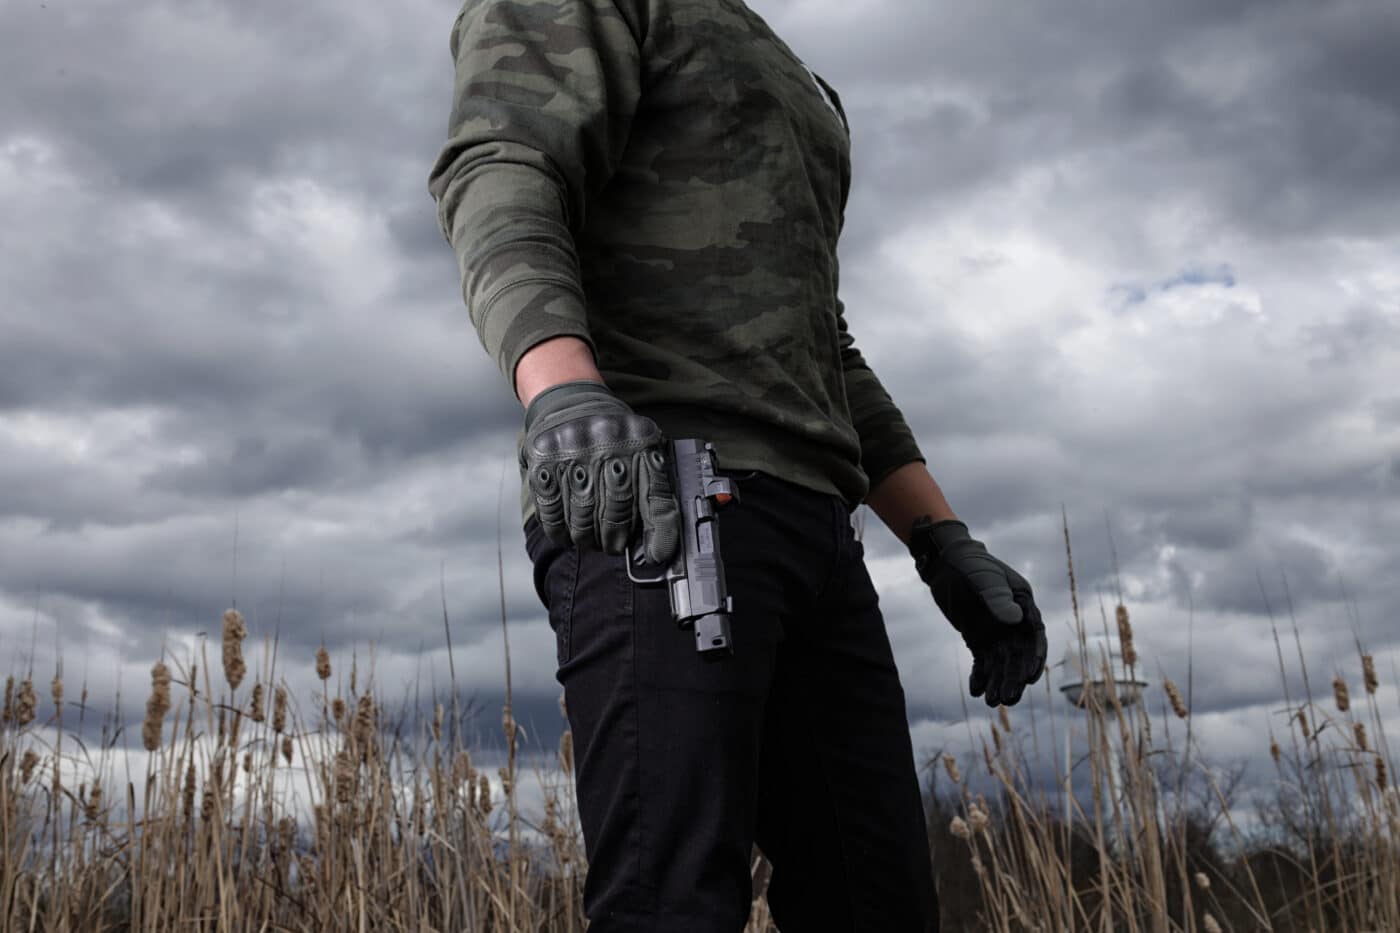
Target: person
[(645, 199)]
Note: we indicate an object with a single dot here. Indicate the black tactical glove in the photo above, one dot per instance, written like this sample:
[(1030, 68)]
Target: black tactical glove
[(989, 603), (597, 470)]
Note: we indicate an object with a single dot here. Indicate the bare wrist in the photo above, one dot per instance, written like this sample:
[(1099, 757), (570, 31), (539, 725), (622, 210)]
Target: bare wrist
[(551, 362)]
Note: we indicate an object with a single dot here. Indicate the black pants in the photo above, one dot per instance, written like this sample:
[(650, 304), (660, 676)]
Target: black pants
[(798, 742)]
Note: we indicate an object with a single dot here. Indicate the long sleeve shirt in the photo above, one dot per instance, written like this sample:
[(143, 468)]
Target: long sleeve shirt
[(667, 181)]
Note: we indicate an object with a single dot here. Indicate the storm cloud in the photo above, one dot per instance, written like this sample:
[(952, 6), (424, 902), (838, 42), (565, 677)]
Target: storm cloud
[(1131, 264)]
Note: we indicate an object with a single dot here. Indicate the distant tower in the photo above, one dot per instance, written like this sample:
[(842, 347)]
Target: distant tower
[(1085, 675)]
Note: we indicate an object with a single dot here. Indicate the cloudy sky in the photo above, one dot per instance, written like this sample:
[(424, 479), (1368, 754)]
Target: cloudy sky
[(1135, 261)]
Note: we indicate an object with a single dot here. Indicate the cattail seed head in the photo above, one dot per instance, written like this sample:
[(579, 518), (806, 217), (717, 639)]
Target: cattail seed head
[(1005, 718), (27, 764), (566, 751), (364, 721), (1209, 924), (255, 704), (279, 710), (1202, 881), (157, 705), (507, 785), (344, 777), (26, 703), (996, 739), (950, 764), (206, 807), (1275, 752), (563, 710), (483, 794), (1381, 777), (1174, 696), (337, 709), (56, 690), (437, 723), (187, 793), (959, 828), (234, 633), (287, 748), (1339, 693), (247, 762), (1125, 636), (977, 818), (508, 725), (1368, 673), (461, 768), (1359, 730), (94, 803), (8, 712), (323, 663), (1303, 724)]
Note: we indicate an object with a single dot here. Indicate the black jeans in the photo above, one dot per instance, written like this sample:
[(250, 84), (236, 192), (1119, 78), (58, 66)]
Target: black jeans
[(798, 742)]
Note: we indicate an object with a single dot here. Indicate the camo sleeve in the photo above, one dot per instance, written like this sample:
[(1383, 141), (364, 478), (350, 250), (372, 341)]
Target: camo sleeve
[(543, 100), (886, 443)]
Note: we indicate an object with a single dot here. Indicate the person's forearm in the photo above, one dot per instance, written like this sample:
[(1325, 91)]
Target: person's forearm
[(561, 359), (907, 494)]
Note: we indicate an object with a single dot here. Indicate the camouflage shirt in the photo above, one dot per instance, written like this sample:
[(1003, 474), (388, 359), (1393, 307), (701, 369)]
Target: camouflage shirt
[(666, 180)]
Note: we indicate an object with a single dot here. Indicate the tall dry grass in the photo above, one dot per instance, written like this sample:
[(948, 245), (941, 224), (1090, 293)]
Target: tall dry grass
[(261, 809)]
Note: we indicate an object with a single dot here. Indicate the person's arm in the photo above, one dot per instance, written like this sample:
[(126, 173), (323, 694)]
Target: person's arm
[(552, 362), (542, 110), (906, 495)]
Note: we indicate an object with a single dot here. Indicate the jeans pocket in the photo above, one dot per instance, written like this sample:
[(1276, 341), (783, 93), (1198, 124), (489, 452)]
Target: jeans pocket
[(556, 582)]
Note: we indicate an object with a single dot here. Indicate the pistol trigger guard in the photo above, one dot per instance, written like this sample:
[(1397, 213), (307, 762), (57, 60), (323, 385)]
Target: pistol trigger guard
[(635, 558)]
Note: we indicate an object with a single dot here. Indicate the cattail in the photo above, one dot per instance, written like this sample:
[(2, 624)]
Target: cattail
[(279, 710), (1339, 693), (206, 807), (1368, 672), (1202, 881), (323, 663), (950, 764), (1125, 636), (8, 712), (255, 704), (977, 818), (506, 783), (1303, 724), (364, 721), (563, 710), (247, 762), (437, 723), (234, 633), (1381, 776), (959, 828), (26, 703), (344, 777), (483, 794), (566, 751), (1174, 695), (354, 672), (94, 803), (508, 725), (56, 690), (1274, 751), (27, 764), (1005, 718), (996, 739), (461, 768), (156, 706), (287, 748), (235, 725), (1359, 729), (1209, 924), (337, 709), (187, 795)]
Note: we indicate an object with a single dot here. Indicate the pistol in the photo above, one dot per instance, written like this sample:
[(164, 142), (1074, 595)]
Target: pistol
[(695, 577)]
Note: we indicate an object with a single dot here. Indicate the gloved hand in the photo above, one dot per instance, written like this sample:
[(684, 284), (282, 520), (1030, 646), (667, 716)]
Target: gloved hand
[(597, 470), (989, 604)]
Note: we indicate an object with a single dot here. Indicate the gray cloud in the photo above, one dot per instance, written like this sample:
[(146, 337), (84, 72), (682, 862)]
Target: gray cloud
[(1135, 262)]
